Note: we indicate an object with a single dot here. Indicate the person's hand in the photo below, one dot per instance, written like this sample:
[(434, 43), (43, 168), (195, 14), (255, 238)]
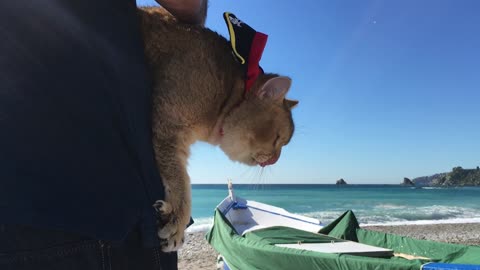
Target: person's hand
[(189, 11)]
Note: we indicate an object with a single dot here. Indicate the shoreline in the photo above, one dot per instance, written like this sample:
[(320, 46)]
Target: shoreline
[(197, 254)]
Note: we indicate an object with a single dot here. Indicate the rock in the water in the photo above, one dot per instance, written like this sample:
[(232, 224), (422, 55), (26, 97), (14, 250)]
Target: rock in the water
[(341, 182), (407, 182)]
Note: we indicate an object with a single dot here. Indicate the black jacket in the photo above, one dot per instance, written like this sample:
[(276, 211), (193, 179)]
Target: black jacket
[(75, 131)]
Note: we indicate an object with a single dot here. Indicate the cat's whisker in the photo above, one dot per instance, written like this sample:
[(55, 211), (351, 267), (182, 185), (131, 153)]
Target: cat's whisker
[(251, 173), (301, 130), (252, 170), (260, 179), (265, 173), (253, 180)]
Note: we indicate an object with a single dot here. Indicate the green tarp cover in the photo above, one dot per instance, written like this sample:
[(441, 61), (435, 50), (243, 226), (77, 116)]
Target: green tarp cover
[(245, 253), (344, 227), (287, 235)]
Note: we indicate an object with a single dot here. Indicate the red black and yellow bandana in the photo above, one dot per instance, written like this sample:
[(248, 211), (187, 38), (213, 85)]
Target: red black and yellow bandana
[(247, 46)]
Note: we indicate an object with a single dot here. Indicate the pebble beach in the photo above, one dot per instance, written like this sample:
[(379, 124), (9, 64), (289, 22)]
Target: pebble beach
[(199, 255)]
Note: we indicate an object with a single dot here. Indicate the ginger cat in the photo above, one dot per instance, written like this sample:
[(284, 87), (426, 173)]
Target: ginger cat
[(199, 95)]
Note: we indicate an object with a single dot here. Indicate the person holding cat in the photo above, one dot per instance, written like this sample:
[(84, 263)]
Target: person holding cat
[(77, 170)]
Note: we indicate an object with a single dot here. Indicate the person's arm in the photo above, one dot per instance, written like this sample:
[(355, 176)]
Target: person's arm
[(189, 11)]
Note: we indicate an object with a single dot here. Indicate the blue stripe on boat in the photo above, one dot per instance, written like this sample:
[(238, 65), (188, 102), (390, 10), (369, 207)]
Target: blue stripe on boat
[(449, 266), (236, 205), (284, 215)]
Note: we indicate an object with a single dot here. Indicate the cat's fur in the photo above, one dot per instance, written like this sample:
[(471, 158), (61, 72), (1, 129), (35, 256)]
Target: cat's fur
[(199, 95)]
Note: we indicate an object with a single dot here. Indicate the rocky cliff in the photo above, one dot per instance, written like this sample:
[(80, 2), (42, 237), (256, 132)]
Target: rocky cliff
[(457, 177)]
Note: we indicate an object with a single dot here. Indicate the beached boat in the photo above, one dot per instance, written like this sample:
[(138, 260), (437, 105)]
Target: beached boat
[(254, 235)]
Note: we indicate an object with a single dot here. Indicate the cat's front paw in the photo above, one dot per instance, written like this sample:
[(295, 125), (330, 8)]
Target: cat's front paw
[(172, 224)]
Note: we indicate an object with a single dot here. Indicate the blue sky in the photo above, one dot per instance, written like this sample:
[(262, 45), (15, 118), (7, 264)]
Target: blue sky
[(387, 89)]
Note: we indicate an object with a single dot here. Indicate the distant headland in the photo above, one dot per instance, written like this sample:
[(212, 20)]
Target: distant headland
[(458, 177)]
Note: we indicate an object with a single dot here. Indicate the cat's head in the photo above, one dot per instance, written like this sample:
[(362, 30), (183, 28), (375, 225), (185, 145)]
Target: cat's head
[(257, 129)]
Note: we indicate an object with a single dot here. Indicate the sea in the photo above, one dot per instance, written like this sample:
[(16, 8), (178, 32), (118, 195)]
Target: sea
[(372, 204)]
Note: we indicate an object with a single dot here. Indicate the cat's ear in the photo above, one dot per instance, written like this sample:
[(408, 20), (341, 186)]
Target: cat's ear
[(290, 103), (276, 88)]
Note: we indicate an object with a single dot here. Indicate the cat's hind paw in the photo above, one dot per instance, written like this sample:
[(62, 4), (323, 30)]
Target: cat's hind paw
[(171, 228), (173, 242)]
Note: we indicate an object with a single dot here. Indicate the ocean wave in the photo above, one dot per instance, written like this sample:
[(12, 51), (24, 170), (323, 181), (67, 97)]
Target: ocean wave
[(201, 225), (383, 215), (436, 212), (402, 214), (390, 206), (324, 216), (425, 222)]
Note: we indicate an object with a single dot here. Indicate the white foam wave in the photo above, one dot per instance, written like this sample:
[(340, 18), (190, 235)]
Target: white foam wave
[(201, 225), (391, 214), (425, 222), (390, 206), (383, 215)]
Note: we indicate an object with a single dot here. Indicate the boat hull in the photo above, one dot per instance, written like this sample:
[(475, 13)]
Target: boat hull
[(237, 219)]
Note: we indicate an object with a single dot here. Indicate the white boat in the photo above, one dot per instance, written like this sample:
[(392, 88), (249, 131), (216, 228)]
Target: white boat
[(254, 235), (245, 215)]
